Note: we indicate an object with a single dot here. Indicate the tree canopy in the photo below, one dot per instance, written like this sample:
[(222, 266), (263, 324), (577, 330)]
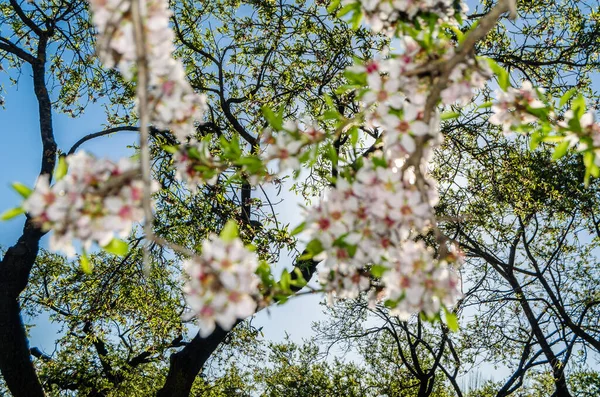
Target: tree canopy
[(303, 96)]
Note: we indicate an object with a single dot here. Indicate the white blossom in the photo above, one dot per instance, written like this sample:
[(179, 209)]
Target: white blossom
[(84, 206), (221, 285)]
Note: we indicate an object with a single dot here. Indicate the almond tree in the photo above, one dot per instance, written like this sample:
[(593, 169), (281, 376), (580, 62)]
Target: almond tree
[(369, 229)]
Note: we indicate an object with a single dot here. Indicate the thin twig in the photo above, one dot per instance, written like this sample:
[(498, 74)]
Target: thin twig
[(142, 95)]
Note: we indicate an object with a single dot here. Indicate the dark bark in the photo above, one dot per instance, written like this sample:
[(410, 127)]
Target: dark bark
[(15, 362), (560, 382), (507, 271), (426, 385), (187, 363)]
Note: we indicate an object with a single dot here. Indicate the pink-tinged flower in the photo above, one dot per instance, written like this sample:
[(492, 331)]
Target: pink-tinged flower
[(510, 109), (383, 90), (400, 131), (464, 80), (206, 320), (372, 66), (354, 284), (174, 103), (77, 208), (418, 282), (285, 148), (221, 286)]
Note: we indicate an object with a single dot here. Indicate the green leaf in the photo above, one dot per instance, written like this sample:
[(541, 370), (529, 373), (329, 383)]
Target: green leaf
[(333, 6), (86, 265), (299, 229), (486, 105), (299, 281), (193, 152), (379, 162), (378, 270), (451, 321), (566, 96), (117, 247), (332, 155), (285, 280), (264, 272), (23, 190), (346, 9), (536, 139), (353, 132), (588, 159), (591, 169), (560, 150), (356, 79), (11, 213), (459, 34), (170, 149), (553, 138), (314, 247), (274, 119), (356, 19), (230, 232), (578, 107), (281, 299), (449, 115), (61, 168), (501, 73)]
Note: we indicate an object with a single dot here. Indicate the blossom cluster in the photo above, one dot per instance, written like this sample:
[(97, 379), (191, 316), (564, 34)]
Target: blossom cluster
[(95, 201), (465, 79), (373, 215), (372, 221), (590, 129), (222, 283), (416, 282), (394, 98), (511, 106), (525, 109), (195, 165), (384, 15), (286, 145), (400, 94), (173, 102)]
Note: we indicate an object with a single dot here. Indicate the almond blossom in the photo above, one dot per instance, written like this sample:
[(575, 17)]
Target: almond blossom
[(84, 205), (285, 149), (400, 131), (418, 282), (383, 15), (354, 234), (510, 108), (222, 285), (464, 80), (174, 104)]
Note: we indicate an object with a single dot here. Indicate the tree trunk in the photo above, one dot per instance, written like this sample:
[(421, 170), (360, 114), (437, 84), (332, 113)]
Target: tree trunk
[(187, 363), (15, 360)]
